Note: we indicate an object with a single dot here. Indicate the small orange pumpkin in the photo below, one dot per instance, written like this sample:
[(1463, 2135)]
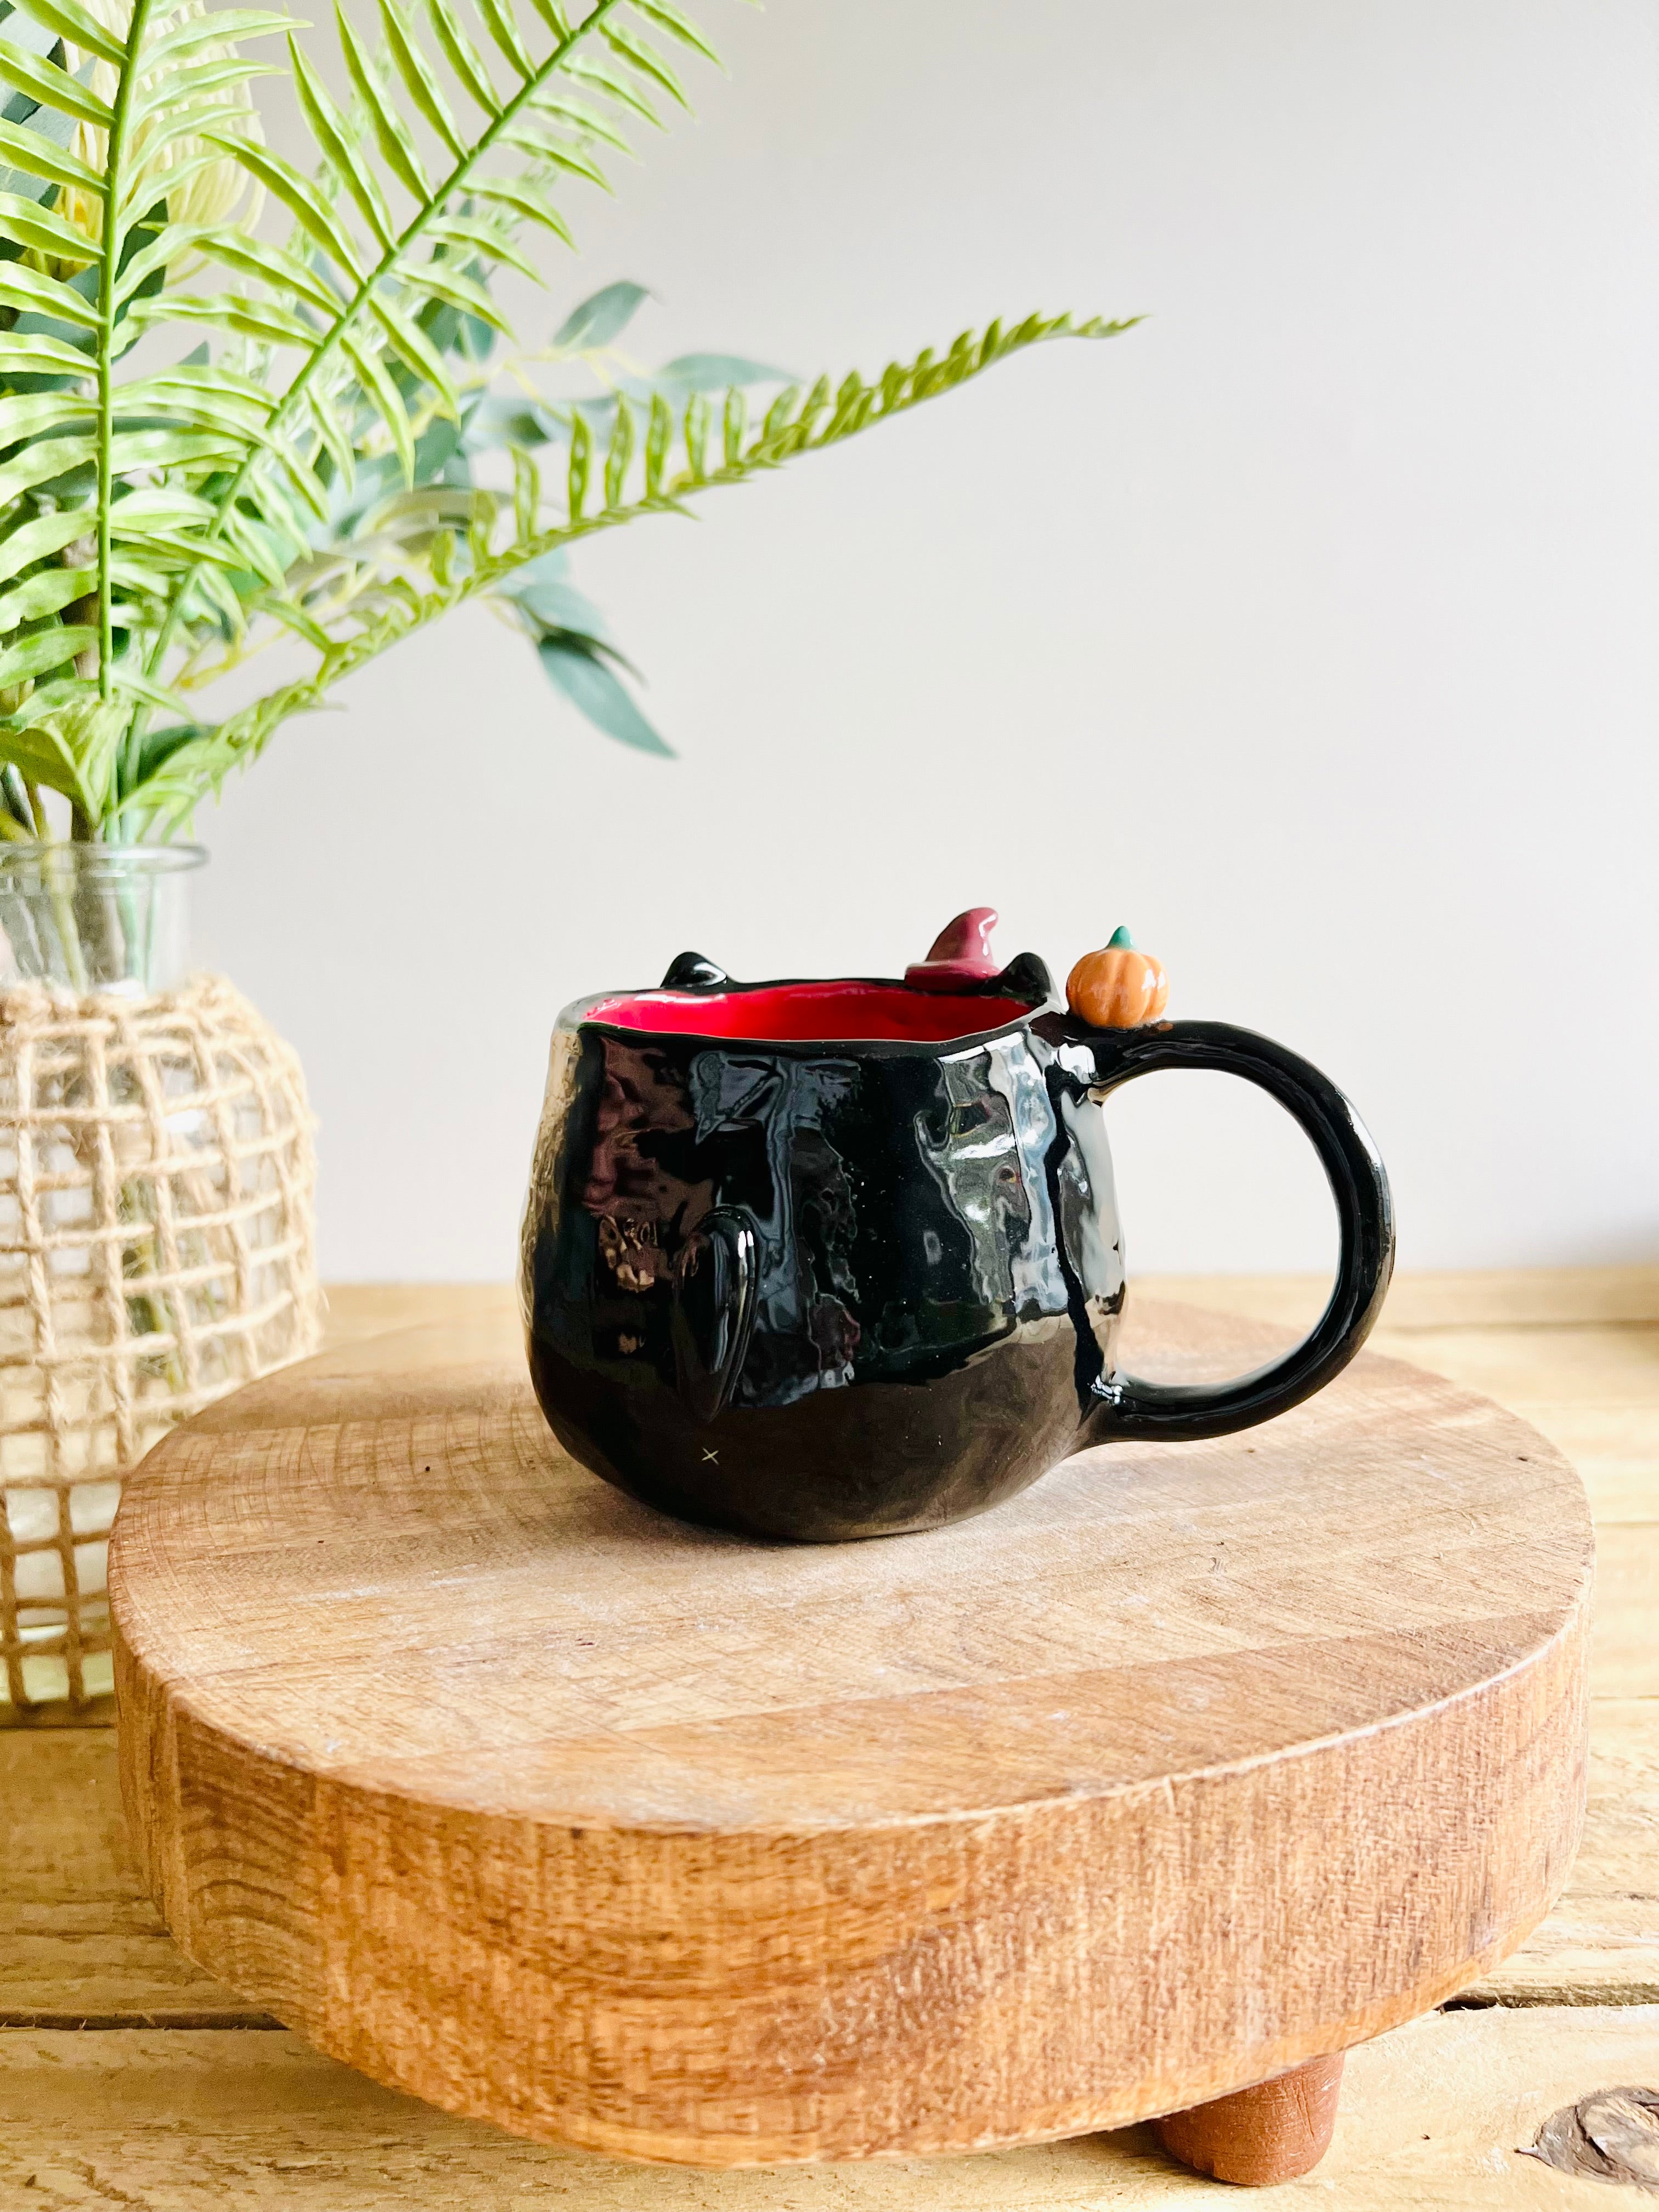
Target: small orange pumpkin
[(1118, 987)]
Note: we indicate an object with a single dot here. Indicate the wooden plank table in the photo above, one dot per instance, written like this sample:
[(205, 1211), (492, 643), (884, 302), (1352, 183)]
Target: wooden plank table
[(129, 2078)]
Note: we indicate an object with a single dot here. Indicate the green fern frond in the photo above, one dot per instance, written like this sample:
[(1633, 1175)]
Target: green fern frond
[(72, 420), (306, 473), (436, 258), (639, 480)]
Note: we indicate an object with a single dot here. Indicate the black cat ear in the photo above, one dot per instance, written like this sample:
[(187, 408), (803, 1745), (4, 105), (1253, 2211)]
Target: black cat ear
[(690, 971), (1025, 977)]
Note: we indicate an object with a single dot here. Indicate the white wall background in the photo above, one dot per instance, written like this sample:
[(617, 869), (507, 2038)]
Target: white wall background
[(1311, 628)]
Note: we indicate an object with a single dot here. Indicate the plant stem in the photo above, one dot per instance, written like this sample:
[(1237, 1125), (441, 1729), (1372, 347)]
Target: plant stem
[(69, 934), (135, 931), (109, 270)]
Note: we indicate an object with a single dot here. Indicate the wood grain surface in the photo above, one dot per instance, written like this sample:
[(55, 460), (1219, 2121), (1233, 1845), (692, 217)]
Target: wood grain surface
[(1436, 2117), (1433, 2113), (1189, 1764), (81, 1941)]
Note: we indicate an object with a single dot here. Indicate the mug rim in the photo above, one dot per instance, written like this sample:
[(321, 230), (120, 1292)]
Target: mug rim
[(578, 1015)]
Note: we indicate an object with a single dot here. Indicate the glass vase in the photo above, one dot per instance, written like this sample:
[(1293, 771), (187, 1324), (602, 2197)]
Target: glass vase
[(156, 1234), (88, 918)]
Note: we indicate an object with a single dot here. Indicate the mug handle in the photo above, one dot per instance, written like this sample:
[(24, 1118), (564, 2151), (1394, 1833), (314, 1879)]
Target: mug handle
[(1177, 1411)]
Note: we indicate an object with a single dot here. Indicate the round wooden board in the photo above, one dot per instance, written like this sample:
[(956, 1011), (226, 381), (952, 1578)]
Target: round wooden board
[(1189, 1764)]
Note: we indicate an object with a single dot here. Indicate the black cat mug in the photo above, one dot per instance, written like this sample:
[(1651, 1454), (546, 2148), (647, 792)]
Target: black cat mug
[(834, 1259)]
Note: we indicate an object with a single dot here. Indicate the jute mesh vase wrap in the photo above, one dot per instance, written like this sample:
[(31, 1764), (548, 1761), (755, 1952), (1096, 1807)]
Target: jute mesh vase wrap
[(156, 1177)]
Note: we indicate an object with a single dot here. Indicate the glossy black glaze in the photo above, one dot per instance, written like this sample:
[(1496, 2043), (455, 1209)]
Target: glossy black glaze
[(821, 1291)]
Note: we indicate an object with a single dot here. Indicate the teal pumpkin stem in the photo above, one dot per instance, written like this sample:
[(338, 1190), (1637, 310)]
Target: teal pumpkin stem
[(1121, 937)]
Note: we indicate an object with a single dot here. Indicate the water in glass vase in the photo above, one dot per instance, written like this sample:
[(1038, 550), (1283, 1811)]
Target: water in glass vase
[(89, 918)]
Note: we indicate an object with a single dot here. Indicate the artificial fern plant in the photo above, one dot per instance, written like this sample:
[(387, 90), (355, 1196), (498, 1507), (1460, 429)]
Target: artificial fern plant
[(213, 437)]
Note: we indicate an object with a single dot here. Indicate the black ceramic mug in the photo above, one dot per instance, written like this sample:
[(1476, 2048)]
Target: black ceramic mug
[(835, 1259)]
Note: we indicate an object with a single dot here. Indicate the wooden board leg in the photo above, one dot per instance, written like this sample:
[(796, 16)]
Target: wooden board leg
[(1271, 2133)]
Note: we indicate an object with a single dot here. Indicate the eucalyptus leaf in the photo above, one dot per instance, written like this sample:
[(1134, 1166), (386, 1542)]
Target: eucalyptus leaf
[(597, 692), (718, 372), (600, 319), (706, 372), (543, 590), (495, 424)]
